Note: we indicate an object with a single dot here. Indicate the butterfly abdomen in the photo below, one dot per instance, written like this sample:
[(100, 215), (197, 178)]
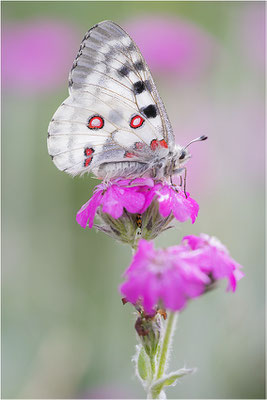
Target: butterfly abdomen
[(126, 169)]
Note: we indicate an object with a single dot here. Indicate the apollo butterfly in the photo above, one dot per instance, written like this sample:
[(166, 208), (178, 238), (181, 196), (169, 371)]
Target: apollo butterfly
[(113, 123)]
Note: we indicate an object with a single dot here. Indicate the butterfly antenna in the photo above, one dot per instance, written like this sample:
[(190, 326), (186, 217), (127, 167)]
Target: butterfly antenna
[(199, 139)]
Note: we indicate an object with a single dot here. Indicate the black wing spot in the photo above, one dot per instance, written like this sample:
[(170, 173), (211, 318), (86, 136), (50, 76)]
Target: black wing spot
[(150, 111), (124, 71), (139, 87), (148, 85), (131, 47), (139, 65)]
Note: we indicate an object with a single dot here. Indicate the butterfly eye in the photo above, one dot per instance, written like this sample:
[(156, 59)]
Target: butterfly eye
[(136, 121), (183, 154), (95, 122)]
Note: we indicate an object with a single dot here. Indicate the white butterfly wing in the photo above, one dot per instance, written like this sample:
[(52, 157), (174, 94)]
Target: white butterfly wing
[(114, 112)]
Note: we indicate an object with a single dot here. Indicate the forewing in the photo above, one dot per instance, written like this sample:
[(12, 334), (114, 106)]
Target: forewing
[(109, 82)]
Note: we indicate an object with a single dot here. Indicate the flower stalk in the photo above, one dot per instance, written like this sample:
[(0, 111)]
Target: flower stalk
[(152, 354), (168, 335)]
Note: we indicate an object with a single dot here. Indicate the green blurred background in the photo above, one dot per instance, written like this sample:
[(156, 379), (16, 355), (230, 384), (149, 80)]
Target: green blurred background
[(65, 333)]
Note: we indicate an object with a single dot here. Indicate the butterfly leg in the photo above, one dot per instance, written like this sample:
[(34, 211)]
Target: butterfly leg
[(185, 173)]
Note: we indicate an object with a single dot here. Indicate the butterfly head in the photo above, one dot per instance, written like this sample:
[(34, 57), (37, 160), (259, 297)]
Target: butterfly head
[(178, 158), (181, 155)]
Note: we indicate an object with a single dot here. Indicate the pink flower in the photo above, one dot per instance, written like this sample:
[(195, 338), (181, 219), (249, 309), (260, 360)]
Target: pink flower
[(161, 275), (114, 197), (37, 54), (136, 197), (174, 275), (213, 258), (173, 45)]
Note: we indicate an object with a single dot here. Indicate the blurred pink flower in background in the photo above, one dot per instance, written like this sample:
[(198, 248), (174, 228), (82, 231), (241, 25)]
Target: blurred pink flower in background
[(174, 45), (38, 54)]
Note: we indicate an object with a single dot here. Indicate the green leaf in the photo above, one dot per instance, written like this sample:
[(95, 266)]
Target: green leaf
[(143, 365), (169, 380)]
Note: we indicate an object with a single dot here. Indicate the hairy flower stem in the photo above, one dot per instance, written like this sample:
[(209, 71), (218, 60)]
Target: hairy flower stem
[(153, 365), (159, 361), (168, 335)]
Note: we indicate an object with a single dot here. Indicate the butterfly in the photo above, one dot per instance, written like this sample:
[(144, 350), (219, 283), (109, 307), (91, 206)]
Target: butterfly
[(114, 123)]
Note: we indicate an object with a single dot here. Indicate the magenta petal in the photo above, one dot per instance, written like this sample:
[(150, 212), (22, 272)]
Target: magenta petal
[(194, 209), (88, 210), (172, 200), (133, 201), (82, 215), (181, 210), (149, 194), (165, 200), (130, 289), (118, 197), (112, 203), (151, 293), (193, 241), (174, 300), (231, 283)]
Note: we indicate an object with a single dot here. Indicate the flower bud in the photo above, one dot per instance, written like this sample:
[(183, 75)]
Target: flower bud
[(149, 328)]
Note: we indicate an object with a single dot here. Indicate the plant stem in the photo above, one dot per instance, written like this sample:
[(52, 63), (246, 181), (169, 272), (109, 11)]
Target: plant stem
[(168, 334), (153, 365)]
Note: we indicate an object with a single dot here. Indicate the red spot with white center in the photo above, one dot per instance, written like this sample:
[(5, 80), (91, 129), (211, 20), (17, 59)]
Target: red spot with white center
[(154, 144), (95, 122), (136, 121), (163, 143), (88, 151)]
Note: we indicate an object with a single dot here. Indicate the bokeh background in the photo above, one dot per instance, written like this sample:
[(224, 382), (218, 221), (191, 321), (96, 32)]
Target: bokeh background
[(65, 333)]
